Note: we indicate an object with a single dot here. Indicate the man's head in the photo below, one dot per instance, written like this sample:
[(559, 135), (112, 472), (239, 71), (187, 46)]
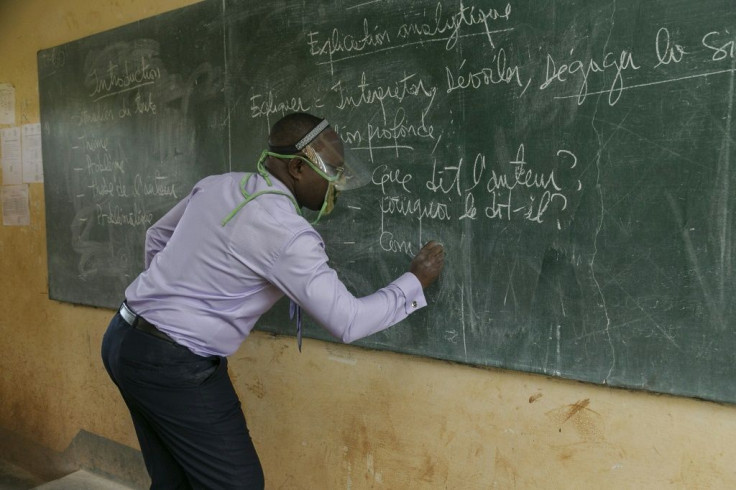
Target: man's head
[(308, 157)]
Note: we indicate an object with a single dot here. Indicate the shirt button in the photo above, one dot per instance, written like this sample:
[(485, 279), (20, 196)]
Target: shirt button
[(413, 304)]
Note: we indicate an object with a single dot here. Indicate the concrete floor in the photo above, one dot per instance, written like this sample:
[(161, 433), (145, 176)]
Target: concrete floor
[(13, 477)]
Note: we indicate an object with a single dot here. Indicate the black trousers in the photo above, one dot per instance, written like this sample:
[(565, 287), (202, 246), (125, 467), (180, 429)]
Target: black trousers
[(186, 413)]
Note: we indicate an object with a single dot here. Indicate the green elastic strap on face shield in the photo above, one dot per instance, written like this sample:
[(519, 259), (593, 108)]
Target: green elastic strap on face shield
[(328, 203), (249, 197), (330, 196)]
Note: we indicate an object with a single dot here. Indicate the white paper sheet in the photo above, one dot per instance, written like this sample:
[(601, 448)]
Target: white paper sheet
[(15, 205), (11, 156), (7, 104), (32, 158)]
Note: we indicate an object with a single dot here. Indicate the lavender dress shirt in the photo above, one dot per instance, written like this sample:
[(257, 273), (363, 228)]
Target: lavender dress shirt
[(206, 285)]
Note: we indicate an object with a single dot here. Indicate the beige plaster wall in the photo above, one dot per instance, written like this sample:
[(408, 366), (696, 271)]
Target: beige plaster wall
[(333, 417)]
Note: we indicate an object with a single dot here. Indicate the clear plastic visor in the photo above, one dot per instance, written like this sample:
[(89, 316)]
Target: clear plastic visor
[(335, 162)]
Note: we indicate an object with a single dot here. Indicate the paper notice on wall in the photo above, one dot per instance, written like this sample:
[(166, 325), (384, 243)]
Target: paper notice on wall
[(15, 205), (7, 104), (11, 156), (31, 149)]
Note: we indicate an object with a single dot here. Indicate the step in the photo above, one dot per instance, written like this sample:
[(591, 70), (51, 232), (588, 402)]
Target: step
[(82, 480)]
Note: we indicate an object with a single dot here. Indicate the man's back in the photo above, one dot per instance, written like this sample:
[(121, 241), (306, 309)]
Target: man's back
[(208, 283)]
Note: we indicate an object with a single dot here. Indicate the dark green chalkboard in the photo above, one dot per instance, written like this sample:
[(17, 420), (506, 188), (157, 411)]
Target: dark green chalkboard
[(573, 157), (131, 119)]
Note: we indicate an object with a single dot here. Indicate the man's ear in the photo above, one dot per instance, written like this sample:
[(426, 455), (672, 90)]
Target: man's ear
[(295, 168)]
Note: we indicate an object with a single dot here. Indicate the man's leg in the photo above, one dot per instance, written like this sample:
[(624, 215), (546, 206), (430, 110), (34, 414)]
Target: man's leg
[(190, 405), (165, 472), (210, 439)]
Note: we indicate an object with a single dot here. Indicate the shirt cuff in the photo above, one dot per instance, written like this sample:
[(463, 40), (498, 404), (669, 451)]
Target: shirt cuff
[(413, 292)]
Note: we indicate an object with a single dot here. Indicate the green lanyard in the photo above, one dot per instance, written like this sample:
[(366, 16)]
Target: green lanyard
[(294, 308), (250, 197)]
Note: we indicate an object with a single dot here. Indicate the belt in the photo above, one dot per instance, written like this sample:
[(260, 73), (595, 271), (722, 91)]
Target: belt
[(140, 323)]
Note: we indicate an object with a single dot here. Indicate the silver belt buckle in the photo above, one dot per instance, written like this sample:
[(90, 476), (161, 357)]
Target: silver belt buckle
[(127, 315)]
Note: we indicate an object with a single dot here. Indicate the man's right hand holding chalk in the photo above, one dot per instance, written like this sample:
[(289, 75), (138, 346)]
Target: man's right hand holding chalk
[(428, 263)]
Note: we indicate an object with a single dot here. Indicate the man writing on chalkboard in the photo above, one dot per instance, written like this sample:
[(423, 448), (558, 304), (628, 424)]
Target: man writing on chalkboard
[(214, 264)]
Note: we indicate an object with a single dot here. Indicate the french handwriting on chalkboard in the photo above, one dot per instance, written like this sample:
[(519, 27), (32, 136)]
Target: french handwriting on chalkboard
[(123, 81), (500, 127), (122, 124), (407, 101)]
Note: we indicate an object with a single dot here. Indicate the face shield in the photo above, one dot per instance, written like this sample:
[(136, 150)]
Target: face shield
[(325, 152)]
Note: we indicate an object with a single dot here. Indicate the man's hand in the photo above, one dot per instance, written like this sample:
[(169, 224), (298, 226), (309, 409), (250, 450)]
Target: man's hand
[(428, 263)]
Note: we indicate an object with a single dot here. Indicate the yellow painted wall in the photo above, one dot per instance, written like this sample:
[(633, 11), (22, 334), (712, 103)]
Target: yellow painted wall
[(334, 417)]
